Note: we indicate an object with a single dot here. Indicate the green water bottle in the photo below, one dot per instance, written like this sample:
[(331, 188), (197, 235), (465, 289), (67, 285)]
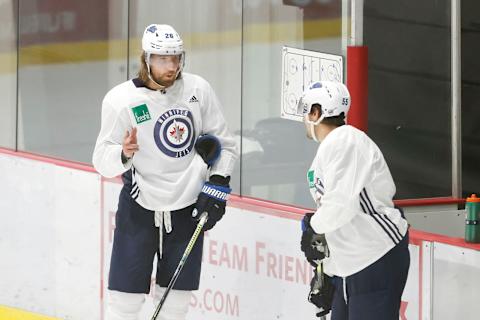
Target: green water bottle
[(472, 221)]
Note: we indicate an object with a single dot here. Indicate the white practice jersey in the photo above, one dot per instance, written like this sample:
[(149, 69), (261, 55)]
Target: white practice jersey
[(167, 173), (353, 188)]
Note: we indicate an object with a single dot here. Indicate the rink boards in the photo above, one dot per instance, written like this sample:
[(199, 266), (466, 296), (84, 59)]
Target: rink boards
[(56, 233)]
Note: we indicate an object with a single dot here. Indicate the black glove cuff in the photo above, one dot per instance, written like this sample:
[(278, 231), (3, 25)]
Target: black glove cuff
[(124, 158), (220, 180), (209, 148)]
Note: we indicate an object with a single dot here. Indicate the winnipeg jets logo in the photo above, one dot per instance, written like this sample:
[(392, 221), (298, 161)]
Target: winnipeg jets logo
[(177, 132), (174, 132), (152, 29)]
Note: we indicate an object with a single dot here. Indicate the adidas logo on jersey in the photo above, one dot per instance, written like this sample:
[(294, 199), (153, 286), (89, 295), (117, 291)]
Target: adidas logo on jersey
[(193, 99)]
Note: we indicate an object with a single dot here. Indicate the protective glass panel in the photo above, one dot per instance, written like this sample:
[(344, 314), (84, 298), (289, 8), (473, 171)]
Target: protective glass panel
[(470, 97), (8, 73), (211, 31), (409, 92), (275, 152), (70, 56)]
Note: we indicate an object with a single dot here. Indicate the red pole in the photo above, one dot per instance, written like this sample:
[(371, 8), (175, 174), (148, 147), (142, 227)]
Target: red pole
[(357, 84)]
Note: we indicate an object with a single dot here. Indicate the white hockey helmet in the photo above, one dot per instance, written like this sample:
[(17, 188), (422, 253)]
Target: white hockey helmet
[(162, 39), (332, 97)]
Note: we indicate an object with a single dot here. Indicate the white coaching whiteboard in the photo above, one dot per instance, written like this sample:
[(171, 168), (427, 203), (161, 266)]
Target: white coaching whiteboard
[(299, 69)]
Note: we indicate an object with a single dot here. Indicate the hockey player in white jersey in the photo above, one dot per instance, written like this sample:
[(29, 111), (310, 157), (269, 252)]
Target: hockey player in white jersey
[(150, 126), (356, 236)]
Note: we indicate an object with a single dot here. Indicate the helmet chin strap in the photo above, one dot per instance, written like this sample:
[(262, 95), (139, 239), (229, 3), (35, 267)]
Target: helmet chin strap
[(312, 133), (160, 87), (312, 125)]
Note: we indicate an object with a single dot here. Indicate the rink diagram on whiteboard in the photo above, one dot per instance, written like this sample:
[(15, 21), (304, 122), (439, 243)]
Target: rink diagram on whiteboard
[(299, 69)]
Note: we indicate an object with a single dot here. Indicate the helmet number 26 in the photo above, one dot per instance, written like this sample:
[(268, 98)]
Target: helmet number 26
[(169, 35)]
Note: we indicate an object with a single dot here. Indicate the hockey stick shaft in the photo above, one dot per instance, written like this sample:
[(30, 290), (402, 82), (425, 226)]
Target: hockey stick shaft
[(322, 279), (186, 253)]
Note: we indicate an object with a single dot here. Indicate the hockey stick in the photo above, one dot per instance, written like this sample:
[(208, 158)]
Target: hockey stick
[(322, 274), (322, 281), (186, 253)]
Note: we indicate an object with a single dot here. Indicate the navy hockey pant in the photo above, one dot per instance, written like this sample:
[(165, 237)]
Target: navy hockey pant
[(375, 292), (136, 242)]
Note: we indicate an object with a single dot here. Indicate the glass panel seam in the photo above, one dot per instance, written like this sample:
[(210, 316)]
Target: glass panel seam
[(128, 40), (17, 73), (242, 35), (456, 99)]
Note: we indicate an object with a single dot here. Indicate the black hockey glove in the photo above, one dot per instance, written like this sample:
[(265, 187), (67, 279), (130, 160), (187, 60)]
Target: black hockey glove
[(321, 292), (313, 245), (208, 147), (212, 199)]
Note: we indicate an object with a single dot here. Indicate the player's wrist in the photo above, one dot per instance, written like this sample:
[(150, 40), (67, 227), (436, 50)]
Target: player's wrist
[(219, 180), (125, 158)]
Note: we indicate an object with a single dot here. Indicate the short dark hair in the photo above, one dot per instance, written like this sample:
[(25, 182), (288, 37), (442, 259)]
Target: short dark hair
[(336, 121)]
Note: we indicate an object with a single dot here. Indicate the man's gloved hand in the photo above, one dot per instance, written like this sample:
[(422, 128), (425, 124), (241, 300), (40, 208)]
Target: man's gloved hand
[(212, 199), (313, 245), (208, 147), (321, 292)]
